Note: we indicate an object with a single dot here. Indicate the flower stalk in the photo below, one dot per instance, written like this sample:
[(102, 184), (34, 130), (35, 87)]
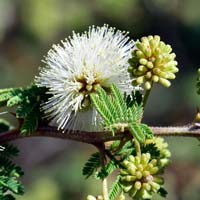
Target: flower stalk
[(101, 148), (146, 96), (137, 148)]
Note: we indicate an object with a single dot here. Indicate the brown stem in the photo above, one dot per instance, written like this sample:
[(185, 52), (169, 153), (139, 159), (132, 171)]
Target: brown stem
[(80, 136), (99, 137)]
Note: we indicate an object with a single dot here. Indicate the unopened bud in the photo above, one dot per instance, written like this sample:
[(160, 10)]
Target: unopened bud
[(121, 197), (147, 85), (155, 78), (165, 82), (137, 185), (90, 197)]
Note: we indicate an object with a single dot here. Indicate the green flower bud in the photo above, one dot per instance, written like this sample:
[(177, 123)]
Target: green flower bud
[(197, 117), (142, 68), (90, 197), (155, 78), (147, 186), (140, 79), (100, 197), (133, 192), (121, 197), (150, 65), (145, 194), (148, 75), (144, 180), (127, 188), (164, 82), (156, 71), (131, 158), (147, 85), (137, 185), (152, 61), (140, 54), (143, 61), (164, 162)]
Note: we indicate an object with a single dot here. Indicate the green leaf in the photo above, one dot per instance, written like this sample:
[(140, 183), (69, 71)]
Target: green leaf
[(137, 113), (10, 150), (23, 110), (27, 101), (115, 189), (11, 184), (162, 192), (108, 103), (134, 98), (15, 100), (147, 131), (136, 131), (30, 123), (7, 94), (117, 112), (9, 174), (119, 102), (107, 170), (4, 97), (152, 149), (101, 108), (127, 149), (91, 165)]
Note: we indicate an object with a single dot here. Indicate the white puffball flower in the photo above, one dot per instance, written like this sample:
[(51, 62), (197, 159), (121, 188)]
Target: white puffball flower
[(77, 67)]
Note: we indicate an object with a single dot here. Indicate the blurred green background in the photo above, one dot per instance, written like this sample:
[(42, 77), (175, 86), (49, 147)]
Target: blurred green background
[(28, 28)]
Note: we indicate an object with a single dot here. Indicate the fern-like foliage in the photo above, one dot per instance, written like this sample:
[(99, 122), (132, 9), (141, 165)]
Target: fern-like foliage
[(152, 149), (162, 192), (115, 189), (9, 174), (91, 165), (107, 170), (134, 97), (120, 114), (126, 150), (27, 102)]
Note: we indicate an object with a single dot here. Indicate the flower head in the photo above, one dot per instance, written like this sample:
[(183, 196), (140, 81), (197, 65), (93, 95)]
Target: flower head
[(152, 61), (76, 68), (140, 176)]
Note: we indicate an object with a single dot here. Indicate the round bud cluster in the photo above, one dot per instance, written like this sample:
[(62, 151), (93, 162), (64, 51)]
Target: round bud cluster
[(140, 176), (152, 62), (162, 146)]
